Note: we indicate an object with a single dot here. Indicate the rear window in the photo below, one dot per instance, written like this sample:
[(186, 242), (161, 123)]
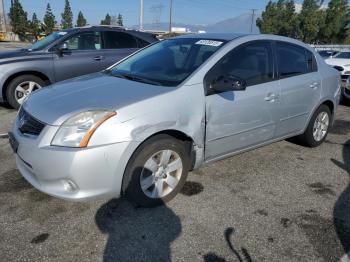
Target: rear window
[(294, 60)]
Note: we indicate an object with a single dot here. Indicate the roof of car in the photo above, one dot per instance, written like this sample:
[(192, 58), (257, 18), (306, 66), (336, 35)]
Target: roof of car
[(108, 27), (222, 36)]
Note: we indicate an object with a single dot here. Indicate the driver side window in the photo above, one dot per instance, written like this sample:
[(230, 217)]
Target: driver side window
[(251, 62), (85, 41)]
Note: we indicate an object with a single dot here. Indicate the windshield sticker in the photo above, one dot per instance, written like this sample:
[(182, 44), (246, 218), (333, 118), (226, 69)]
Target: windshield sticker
[(209, 42), (62, 33)]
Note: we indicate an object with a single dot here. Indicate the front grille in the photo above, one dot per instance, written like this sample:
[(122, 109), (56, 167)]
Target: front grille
[(339, 68), (28, 124)]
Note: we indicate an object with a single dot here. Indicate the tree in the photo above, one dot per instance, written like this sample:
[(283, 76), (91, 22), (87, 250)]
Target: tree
[(81, 21), (35, 26), (336, 21), (120, 20), (308, 19), (18, 18), (49, 20), (107, 20), (67, 16), (279, 18)]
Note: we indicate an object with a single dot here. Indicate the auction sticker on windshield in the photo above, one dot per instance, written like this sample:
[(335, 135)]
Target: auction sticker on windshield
[(209, 42)]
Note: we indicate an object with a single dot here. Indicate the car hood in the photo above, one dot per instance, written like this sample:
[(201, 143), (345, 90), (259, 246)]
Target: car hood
[(54, 104), (338, 61), (14, 53)]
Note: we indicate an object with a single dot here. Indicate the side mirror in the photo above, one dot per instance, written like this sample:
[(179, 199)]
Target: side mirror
[(228, 83), (62, 48)]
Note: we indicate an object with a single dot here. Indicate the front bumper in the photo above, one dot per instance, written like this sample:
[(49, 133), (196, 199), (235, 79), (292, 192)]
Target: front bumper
[(72, 173)]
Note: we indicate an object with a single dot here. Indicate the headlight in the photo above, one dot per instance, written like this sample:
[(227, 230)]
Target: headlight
[(77, 130)]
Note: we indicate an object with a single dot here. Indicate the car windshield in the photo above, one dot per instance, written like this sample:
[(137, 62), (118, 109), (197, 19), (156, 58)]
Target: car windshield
[(47, 41), (168, 62), (345, 55)]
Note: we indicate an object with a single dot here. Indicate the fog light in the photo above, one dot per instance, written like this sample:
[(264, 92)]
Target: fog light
[(69, 186)]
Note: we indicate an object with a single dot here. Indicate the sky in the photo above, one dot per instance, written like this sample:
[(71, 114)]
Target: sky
[(196, 12)]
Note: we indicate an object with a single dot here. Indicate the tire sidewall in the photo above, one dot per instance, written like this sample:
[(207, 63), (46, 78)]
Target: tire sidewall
[(309, 132), (10, 91), (131, 181)]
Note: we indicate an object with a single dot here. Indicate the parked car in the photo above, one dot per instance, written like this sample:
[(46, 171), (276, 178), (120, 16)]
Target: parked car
[(327, 53), (341, 62), (65, 54), (140, 126)]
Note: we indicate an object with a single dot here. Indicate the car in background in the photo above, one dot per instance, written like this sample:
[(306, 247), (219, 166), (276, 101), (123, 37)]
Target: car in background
[(65, 54), (327, 53), (138, 127), (341, 62)]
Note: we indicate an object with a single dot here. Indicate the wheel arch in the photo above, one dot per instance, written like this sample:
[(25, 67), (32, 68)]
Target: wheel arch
[(177, 134), (41, 75)]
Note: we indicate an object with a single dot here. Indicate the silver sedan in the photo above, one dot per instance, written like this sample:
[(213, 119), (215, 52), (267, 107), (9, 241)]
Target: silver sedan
[(138, 127)]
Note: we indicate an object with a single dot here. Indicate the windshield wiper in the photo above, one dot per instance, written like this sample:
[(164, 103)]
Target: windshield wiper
[(137, 78)]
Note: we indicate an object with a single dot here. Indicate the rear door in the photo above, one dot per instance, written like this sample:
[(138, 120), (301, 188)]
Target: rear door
[(241, 119), (300, 84), (117, 45), (84, 56)]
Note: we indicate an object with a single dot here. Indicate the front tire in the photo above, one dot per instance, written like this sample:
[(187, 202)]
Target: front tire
[(157, 171), (318, 127), (21, 87)]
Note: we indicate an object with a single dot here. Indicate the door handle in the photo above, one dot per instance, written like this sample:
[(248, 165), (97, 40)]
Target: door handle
[(271, 97), (99, 58), (314, 85)]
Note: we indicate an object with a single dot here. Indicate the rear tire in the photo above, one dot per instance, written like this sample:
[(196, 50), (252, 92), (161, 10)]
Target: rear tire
[(15, 97), (317, 131), (147, 167)]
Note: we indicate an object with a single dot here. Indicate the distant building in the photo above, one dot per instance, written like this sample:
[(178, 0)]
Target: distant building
[(180, 30)]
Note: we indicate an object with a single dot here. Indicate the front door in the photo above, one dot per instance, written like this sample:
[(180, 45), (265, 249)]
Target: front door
[(83, 56), (241, 119)]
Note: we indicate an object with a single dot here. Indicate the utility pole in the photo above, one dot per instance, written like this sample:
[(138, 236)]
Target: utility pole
[(170, 15), (141, 14), (2, 17), (253, 17)]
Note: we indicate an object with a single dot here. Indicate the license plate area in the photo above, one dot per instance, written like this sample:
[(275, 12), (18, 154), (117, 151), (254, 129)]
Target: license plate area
[(13, 142)]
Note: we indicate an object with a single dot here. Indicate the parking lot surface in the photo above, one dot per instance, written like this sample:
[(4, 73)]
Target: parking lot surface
[(283, 202)]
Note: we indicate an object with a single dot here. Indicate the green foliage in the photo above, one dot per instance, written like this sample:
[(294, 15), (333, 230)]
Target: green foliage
[(35, 26), (49, 20), (107, 20), (312, 25), (308, 21), (67, 16), (81, 21), (18, 17), (279, 18), (336, 21), (120, 20)]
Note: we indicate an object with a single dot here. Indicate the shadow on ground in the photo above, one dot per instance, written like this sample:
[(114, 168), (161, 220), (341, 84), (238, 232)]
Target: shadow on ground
[(241, 256), (341, 212), (137, 234)]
